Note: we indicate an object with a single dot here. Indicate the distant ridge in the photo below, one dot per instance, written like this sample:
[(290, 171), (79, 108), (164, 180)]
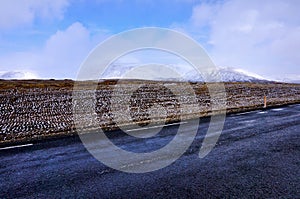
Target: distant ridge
[(17, 75), (225, 75), (221, 74)]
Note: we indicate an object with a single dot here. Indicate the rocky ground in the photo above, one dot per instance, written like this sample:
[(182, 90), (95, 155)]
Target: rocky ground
[(37, 109)]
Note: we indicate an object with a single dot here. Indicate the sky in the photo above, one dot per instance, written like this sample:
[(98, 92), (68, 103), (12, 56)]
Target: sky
[(51, 38)]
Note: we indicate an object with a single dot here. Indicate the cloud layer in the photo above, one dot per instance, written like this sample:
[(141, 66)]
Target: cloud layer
[(259, 36), (15, 13), (60, 56)]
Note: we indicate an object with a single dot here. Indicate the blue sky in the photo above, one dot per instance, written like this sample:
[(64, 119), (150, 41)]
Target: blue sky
[(50, 38)]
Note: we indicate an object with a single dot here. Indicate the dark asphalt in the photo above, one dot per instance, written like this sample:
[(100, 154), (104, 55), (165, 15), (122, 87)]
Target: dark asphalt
[(257, 156)]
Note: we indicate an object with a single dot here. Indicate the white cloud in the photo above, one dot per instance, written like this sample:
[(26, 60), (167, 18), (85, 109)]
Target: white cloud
[(61, 55), (14, 13), (65, 50), (259, 36), (202, 15)]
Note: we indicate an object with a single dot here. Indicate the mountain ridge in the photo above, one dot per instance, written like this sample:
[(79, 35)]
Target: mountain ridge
[(221, 74)]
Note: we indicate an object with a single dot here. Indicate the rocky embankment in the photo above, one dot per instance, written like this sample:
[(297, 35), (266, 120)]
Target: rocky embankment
[(37, 109)]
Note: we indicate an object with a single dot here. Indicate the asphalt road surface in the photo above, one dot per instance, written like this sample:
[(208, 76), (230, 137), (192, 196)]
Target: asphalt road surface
[(257, 155)]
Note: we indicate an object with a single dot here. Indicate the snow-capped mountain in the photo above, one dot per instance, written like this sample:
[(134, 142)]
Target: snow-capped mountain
[(222, 74), (182, 73), (17, 75), (290, 79)]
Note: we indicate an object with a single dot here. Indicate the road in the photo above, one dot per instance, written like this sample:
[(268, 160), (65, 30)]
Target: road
[(257, 155)]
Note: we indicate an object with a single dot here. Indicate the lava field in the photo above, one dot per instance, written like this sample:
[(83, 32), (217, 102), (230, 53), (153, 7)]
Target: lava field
[(37, 109)]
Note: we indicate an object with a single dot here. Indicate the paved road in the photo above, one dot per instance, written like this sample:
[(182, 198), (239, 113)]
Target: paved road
[(257, 155)]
